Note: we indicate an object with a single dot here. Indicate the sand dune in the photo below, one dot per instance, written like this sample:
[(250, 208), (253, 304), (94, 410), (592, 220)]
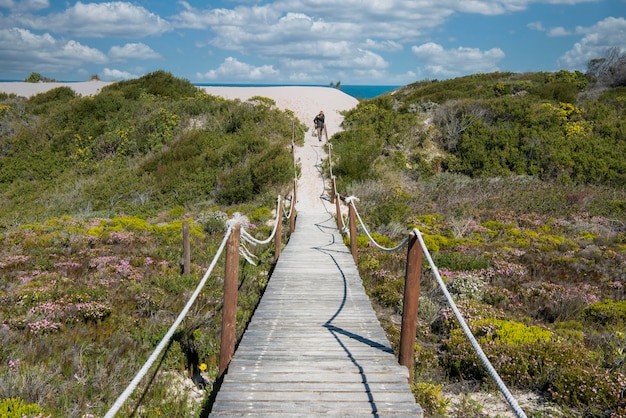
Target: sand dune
[(304, 101)]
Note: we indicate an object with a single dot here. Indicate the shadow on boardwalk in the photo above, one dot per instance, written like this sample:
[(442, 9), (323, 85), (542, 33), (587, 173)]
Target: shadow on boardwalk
[(314, 345)]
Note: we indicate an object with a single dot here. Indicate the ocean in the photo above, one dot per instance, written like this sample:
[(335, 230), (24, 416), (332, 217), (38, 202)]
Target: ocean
[(356, 91)]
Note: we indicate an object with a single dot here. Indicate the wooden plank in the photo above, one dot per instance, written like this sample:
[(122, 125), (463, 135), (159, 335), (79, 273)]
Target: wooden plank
[(314, 345)]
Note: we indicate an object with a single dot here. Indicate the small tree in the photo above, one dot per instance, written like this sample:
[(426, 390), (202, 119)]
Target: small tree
[(610, 70), (33, 78), (336, 85)]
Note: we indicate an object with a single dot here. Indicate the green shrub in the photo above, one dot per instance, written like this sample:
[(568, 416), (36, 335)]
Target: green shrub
[(458, 261), (235, 186), (17, 408), (607, 312), (466, 286), (429, 397), (33, 78)]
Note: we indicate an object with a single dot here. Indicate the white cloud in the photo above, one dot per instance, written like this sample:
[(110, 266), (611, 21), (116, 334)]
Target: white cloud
[(99, 20), (233, 70), (498, 7), (383, 45), (133, 51), (24, 51), (453, 62), (558, 31), (368, 59), (597, 39), (287, 21), (538, 26), (112, 74), (24, 6)]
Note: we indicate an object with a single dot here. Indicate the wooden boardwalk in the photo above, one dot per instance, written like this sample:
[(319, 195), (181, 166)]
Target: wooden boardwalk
[(314, 345)]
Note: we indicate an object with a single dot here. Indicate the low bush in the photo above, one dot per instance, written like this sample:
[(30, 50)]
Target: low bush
[(606, 312), (430, 398), (17, 408)]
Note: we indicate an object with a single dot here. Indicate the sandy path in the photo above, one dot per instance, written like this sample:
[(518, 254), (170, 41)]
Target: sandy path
[(305, 102)]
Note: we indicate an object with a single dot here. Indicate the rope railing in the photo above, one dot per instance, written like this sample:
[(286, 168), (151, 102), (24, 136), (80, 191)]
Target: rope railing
[(234, 240), (227, 347), (468, 333), (410, 302), (119, 402), (350, 200), (249, 238), (411, 295)]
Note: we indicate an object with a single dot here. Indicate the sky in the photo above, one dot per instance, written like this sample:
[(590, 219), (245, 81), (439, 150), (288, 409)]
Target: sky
[(304, 42)]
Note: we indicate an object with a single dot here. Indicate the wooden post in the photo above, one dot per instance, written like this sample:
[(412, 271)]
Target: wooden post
[(292, 217), (352, 214), (186, 249), (338, 212), (278, 242), (295, 187), (410, 303), (229, 308), (333, 189)]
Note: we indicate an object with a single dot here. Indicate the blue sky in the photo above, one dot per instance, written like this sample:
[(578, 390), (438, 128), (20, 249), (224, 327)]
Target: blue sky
[(371, 42)]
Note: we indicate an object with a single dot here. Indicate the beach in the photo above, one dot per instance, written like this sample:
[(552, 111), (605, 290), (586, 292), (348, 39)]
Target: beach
[(304, 101)]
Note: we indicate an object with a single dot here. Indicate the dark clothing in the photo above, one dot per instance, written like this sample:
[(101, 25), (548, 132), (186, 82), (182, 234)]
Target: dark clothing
[(319, 121)]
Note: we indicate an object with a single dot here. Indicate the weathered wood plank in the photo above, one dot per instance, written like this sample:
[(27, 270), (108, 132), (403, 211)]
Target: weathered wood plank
[(314, 345)]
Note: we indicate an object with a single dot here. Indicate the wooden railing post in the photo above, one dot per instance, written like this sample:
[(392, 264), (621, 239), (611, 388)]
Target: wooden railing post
[(229, 309), (333, 189), (338, 212), (353, 248), (292, 217), (295, 187), (410, 303), (278, 240), (186, 249)]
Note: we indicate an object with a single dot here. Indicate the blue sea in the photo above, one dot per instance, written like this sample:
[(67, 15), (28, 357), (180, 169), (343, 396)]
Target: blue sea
[(356, 91)]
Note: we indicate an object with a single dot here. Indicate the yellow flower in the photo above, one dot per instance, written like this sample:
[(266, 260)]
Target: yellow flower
[(202, 366)]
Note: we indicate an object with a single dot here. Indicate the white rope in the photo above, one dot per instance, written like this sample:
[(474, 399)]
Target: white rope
[(246, 254), (330, 161), (287, 215), (249, 238), (350, 200), (468, 333), (166, 339)]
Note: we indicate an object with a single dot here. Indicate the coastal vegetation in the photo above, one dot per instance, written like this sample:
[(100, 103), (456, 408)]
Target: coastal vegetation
[(93, 194), (518, 184)]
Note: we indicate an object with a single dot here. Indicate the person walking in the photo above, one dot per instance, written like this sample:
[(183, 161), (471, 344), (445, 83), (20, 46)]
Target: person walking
[(320, 125)]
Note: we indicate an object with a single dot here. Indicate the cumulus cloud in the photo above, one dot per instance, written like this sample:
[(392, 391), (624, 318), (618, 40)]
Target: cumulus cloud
[(24, 6), (383, 45), (247, 27), (436, 60), (559, 31), (99, 20), (498, 7), (597, 39), (24, 51), (111, 74), (133, 51), (235, 70)]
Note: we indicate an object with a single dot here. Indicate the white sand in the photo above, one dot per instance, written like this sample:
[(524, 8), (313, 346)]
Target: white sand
[(304, 101), (22, 89)]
